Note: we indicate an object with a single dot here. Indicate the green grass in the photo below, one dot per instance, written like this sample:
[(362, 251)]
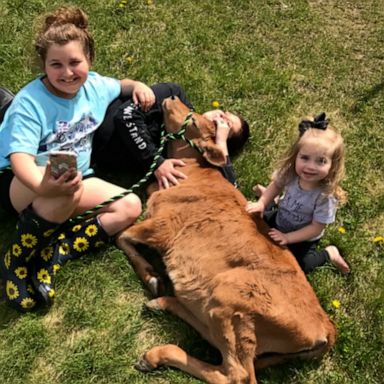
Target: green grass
[(275, 61)]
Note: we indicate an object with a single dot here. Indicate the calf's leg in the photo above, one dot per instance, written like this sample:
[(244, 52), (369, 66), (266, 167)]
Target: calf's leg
[(143, 269)]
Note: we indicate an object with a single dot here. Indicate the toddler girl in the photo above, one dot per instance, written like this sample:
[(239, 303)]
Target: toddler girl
[(309, 179)]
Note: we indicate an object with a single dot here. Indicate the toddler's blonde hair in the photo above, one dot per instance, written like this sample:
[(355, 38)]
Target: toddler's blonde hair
[(331, 139)]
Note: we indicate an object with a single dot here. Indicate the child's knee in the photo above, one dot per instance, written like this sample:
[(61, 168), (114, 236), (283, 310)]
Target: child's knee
[(132, 206)]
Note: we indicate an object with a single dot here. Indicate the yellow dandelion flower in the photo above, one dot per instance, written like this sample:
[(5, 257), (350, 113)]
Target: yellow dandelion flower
[(51, 293), (342, 230), (28, 303), (21, 272), (99, 244), (28, 240), (336, 303), (48, 232), (56, 268), (46, 253), (64, 249), (129, 59), (215, 104), (378, 239), (7, 259), (76, 228), (43, 276), (12, 290), (61, 236), (16, 250), (29, 257), (81, 244), (91, 230)]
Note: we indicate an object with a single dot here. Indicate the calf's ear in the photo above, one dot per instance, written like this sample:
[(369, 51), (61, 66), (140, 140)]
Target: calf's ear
[(213, 154)]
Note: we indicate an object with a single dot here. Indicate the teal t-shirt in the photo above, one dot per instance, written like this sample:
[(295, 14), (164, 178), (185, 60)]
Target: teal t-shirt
[(38, 122)]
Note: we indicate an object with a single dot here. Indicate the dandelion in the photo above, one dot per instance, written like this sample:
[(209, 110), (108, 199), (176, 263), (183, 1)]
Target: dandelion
[(129, 60), (215, 104), (336, 303), (342, 230), (378, 239)]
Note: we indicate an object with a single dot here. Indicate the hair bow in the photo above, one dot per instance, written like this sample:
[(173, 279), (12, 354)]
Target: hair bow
[(319, 122)]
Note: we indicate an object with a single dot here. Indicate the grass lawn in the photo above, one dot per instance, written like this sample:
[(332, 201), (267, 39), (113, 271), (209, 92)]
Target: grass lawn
[(275, 62)]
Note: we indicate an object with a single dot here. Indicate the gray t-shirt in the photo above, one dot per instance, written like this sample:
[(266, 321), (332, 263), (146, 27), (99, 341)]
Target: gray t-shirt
[(298, 208)]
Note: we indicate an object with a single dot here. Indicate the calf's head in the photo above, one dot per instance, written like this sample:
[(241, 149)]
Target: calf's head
[(199, 130)]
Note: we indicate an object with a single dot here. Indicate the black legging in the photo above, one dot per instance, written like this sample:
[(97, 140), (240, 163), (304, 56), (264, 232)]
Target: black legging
[(306, 252)]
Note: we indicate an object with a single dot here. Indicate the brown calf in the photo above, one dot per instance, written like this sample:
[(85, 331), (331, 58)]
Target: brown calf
[(244, 294)]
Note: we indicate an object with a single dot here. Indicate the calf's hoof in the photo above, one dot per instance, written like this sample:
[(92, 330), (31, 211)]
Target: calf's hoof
[(143, 366), (154, 305), (155, 286)]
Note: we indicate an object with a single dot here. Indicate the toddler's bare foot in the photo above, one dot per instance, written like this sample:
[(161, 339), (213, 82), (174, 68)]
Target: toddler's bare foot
[(258, 189), (337, 260)]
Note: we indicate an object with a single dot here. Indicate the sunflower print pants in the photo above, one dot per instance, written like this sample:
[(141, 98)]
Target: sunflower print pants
[(32, 233), (71, 243)]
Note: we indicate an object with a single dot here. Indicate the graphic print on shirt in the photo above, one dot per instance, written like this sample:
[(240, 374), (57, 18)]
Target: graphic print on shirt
[(73, 136), (291, 216)]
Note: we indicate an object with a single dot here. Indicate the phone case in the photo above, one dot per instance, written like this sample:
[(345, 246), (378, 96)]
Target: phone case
[(61, 162)]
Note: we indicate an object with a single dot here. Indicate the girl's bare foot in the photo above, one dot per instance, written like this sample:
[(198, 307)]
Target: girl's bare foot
[(337, 260), (258, 189)]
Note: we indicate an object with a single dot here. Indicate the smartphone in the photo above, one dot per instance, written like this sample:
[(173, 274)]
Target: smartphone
[(61, 161)]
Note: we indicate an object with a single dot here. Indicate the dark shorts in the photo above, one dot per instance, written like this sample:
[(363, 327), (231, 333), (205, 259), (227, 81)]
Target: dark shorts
[(5, 182)]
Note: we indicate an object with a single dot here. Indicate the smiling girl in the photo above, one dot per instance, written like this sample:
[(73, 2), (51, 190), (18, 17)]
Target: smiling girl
[(59, 111), (308, 179)]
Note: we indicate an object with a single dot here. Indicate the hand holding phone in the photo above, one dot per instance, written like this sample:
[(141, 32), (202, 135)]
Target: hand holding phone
[(61, 162)]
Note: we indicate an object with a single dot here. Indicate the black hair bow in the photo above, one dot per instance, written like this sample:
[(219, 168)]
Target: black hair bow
[(319, 122)]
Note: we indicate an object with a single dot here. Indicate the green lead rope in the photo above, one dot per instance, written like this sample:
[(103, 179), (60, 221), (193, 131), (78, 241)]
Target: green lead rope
[(164, 138)]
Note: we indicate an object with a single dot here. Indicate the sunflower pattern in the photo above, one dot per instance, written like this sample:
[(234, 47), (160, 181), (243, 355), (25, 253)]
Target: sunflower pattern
[(43, 276), (32, 231), (28, 240), (21, 272), (38, 245), (28, 303), (12, 290), (47, 253), (91, 230), (80, 244), (64, 249)]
